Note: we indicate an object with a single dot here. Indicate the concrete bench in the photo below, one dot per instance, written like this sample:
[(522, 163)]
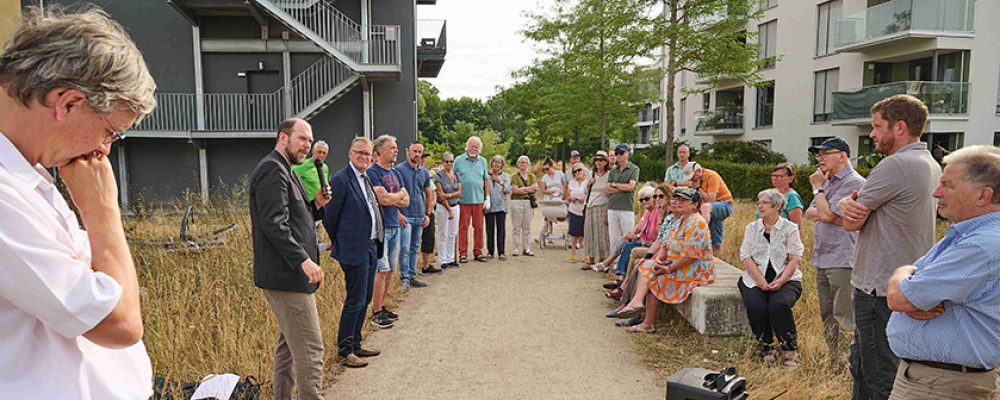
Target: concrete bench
[(716, 310)]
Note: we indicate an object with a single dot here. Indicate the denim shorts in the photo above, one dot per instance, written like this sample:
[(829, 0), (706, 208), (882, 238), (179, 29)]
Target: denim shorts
[(390, 251)]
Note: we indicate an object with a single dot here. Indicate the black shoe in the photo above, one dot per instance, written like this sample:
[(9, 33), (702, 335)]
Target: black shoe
[(452, 265), (380, 321), (417, 284), (389, 315), (612, 285), (431, 270)]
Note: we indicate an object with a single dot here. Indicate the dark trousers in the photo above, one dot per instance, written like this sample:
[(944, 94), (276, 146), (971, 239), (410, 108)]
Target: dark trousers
[(770, 314), (874, 367), (497, 221), (359, 281)]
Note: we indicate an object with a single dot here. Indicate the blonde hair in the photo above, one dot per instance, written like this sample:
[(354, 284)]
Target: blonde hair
[(85, 51)]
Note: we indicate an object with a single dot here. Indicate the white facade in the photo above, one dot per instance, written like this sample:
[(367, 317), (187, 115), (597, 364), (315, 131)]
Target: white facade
[(883, 47)]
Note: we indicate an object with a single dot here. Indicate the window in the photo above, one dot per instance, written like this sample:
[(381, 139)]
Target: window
[(643, 135), (765, 4), (765, 105), (996, 139), (825, 84), (940, 144), (767, 37), (681, 116), (706, 100), (826, 27), (816, 141), (765, 143)]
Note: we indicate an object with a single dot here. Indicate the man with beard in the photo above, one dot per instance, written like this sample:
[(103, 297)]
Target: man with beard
[(417, 214), (472, 171), (286, 260), (894, 215)]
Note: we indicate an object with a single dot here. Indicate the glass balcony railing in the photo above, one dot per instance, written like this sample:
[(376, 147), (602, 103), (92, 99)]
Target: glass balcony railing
[(730, 117), (941, 98), (898, 16)]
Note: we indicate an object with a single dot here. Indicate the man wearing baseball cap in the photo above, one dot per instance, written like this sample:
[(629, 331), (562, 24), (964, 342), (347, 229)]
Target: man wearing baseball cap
[(833, 247), (621, 183)]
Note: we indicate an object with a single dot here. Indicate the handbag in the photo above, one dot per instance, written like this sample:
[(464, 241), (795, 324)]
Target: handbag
[(531, 196)]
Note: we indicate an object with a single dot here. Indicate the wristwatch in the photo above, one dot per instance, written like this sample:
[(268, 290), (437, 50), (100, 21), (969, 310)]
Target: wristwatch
[(817, 191)]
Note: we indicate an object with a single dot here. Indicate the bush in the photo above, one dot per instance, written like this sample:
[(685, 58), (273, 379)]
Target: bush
[(740, 152)]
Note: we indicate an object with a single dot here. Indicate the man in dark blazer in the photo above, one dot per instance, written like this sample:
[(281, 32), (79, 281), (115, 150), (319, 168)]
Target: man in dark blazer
[(285, 260), (354, 222)]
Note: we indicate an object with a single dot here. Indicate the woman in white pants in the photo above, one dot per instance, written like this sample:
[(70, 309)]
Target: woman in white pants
[(449, 189), (523, 187)]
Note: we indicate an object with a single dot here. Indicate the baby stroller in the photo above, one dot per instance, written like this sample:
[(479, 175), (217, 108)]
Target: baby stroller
[(554, 211)]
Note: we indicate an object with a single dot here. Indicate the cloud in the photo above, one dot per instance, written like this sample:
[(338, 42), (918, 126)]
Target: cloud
[(484, 44)]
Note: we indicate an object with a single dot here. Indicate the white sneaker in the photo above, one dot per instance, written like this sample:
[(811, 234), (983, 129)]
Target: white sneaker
[(599, 267)]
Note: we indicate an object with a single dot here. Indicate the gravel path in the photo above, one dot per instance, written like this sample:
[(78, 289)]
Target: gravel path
[(525, 328)]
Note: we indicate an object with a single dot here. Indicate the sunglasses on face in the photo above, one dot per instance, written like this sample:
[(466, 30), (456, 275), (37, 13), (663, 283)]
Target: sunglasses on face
[(643, 199), (659, 196), (577, 170), (448, 161)]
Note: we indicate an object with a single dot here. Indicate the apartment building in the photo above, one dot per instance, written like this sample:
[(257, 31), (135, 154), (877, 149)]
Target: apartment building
[(833, 59), (228, 71)]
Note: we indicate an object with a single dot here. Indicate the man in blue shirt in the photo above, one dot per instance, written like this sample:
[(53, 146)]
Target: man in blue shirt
[(417, 181), (945, 325), (392, 196)]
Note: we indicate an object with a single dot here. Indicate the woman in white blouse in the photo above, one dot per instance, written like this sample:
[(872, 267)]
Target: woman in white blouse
[(772, 283)]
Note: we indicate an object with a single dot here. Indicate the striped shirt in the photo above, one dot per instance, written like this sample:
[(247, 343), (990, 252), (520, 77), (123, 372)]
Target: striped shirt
[(963, 272)]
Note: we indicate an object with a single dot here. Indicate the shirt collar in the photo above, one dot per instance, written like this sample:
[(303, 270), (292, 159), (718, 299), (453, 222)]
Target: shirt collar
[(973, 224), (913, 146), (357, 174), (15, 164), (844, 172)]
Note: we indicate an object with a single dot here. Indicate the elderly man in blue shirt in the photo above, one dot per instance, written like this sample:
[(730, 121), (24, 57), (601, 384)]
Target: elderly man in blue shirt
[(945, 324)]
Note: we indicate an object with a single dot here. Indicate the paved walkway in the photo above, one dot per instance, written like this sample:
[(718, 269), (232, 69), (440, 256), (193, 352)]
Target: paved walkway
[(526, 328)]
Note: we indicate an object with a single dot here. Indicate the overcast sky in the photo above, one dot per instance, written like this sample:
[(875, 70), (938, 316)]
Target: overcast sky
[(484, 45)]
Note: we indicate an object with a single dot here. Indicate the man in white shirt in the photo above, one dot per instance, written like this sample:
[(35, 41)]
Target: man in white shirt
[(70, 322)]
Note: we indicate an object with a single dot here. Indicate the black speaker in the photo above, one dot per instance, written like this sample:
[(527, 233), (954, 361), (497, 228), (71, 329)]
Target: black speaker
[(703, 384)]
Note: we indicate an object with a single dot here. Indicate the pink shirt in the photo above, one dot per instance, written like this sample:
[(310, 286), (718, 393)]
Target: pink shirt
[(647, 234)]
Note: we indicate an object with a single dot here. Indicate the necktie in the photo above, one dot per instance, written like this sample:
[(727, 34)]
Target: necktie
[(370, 193)]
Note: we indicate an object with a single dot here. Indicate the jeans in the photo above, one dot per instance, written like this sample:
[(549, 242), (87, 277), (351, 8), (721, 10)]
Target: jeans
[(720, 211), (409, 239), (470, 213), (496, 221), (447, 229), (623, 257), (359, 280), (770, 313), (389, 259), (874, 368)]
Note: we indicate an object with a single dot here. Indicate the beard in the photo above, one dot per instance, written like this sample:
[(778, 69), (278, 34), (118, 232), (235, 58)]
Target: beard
[(883, 146), (294, 157)]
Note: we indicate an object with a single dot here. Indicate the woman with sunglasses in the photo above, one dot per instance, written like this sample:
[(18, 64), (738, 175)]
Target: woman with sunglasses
[(595, 220), (664, 215), (684, 261), (577, 196), (449, 189), (642, 234)]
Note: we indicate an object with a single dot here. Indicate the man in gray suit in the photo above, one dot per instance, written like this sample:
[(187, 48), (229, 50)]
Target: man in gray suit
[(285, 262)]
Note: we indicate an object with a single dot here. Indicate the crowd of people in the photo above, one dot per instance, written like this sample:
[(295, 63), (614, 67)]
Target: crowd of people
[(925, 314)]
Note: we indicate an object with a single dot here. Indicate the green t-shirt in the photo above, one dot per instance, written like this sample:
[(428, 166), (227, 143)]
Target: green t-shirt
[(310, 180), (792, 201), (622, 200)]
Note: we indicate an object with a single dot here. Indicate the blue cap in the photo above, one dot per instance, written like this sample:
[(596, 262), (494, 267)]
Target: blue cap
[(623, 147), (834, 143)]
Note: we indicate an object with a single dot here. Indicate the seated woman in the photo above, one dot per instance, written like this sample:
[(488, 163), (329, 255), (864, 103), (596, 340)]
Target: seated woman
[(650, 244), (771, 282), (642, 234), (683, 262)]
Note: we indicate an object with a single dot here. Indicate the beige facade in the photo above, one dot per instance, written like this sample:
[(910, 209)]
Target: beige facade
[(836, 58)]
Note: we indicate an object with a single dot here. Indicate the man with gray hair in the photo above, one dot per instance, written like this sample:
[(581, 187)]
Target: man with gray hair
[(307, 171), (392, 196), (945, 324), (69, 297), (472, 172)]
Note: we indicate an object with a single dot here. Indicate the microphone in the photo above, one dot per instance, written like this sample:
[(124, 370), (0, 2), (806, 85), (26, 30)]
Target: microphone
[(324, 186)]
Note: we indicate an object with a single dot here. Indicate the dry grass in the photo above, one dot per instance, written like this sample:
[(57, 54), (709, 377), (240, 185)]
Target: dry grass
[(201, 310), (677, 345)]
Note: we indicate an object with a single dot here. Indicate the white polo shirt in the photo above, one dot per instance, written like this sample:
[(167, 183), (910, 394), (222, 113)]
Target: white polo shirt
[(50, 297)]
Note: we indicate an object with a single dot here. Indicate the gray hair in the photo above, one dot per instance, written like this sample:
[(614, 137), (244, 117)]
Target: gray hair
[(474, 139), (498, 158), (86, 51), (381, 141), (646, 191), (446, 155), (774, 196), (319, 144), (524, 158), (982, 166)]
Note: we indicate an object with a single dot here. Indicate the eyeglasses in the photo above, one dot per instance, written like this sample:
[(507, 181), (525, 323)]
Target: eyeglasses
[(659, 196), (577, 170), (448, 161), (763, 202), (115, 135), (643, 199), (829, 153), (780, 176), (364, 153)]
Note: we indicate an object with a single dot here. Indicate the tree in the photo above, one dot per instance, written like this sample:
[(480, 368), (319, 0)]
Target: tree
[(709, 38)]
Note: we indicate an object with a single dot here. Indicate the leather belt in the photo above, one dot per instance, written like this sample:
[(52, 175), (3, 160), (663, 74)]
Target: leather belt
[(947, 366)]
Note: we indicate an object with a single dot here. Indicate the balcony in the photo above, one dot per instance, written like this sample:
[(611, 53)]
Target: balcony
[(905, 20), (944, 100), (432, 45), (720, 121)]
